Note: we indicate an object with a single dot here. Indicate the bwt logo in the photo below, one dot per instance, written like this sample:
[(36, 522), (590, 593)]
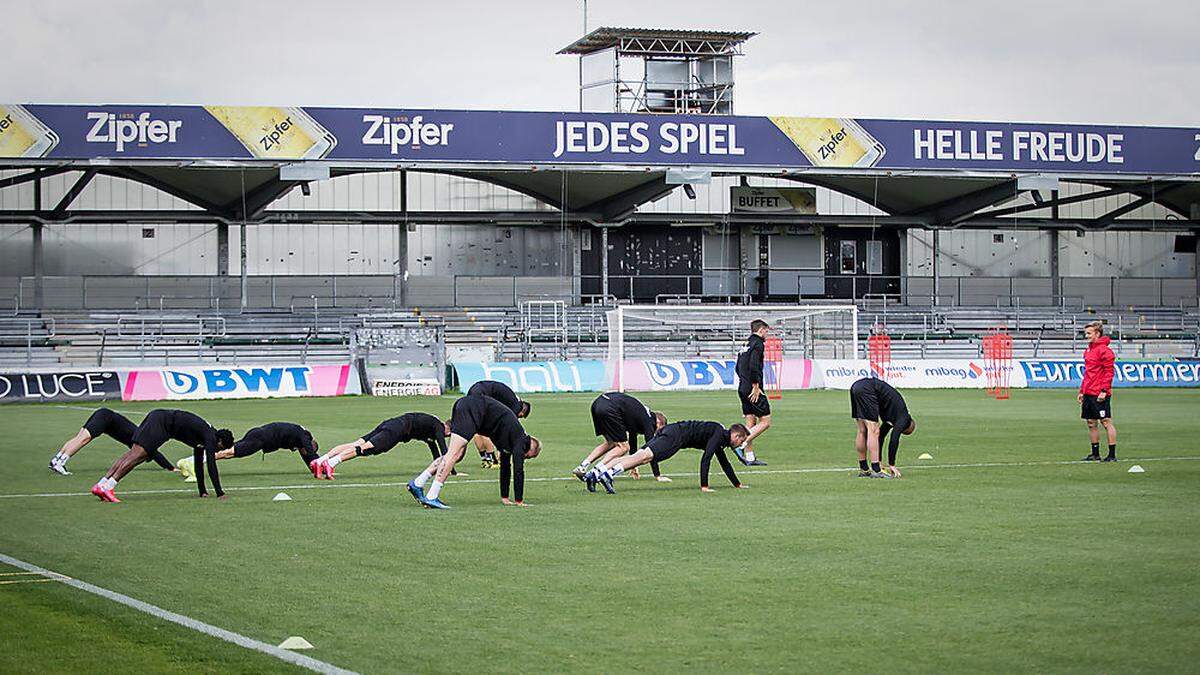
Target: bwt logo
[(692, 373), (108, 128), (221, 380), (385, 131)]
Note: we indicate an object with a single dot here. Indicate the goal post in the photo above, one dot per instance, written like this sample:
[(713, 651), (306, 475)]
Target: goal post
[(683, 332)]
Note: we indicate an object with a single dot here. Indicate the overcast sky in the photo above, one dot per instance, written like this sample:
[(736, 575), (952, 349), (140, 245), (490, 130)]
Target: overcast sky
[(1049, 60)]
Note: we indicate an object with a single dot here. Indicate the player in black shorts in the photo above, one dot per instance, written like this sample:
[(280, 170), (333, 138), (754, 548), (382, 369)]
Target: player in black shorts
[(271, 437), (879, 409), (159, 427), (474, 415), (413, 426), (103, 422), (504, 394), (710, 437), (619, 418), (755, 406)]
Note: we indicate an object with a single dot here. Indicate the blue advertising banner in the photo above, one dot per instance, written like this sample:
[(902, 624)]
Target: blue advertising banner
[(1047, 374), (527, 377), (391, 135)]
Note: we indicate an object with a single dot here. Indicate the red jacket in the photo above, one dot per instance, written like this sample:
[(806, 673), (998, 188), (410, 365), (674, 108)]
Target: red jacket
[(1097, 368)]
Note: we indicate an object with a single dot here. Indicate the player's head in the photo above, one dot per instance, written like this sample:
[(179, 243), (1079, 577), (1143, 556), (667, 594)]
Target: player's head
[(1093, 331), (738, 434), (526, 408), (660, 420), (535, 447), (759, 327), (315, 448), (912, 426), (224, 439)]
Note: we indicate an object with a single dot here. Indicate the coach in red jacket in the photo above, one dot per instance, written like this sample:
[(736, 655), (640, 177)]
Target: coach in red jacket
[(1095, 393)]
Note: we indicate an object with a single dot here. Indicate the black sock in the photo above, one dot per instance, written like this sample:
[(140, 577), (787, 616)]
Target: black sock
[(1112, 449), (875, 467), (1095, 449), (862, 464)]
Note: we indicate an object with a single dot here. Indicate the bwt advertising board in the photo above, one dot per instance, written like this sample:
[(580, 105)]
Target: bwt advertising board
[(706, 374), (90, 385), (527, 377), (75, 132), (200, 382), (1049, 373)]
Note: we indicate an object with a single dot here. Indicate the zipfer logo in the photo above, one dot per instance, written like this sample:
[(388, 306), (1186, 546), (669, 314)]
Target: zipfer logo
[(384, 130), (122, 129)]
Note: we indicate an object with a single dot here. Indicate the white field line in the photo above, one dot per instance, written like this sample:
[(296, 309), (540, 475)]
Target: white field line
[(185, 621), (1128, 461)]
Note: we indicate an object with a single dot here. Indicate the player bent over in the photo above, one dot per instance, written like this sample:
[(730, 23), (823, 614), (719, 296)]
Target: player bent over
[(102, 422), (878, 409), (755, 406), (1095, 392), (619, 418), (414, 426), (474, 415), (711, 437), (504, 394), (271, 437), (159, 427)]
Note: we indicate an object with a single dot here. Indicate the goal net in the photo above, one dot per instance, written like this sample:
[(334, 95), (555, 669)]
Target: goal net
[(648, 345)]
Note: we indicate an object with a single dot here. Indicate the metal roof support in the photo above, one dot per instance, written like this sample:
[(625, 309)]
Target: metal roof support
[(621, 205), (75, 190), (33, 175), (952, 210)]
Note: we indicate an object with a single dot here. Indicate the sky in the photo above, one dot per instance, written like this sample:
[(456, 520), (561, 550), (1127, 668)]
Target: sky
[(1092, 61)]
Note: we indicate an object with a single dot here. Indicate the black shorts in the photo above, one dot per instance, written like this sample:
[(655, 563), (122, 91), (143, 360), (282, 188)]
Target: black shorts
[(760, 409), (607, 421), (382, 438), (466, 416), (105, 421), (1095, 409), (863, 404), (153, 431), (663, 447)]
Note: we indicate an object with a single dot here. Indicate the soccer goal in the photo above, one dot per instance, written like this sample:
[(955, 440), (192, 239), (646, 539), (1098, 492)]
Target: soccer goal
[(684, 332)]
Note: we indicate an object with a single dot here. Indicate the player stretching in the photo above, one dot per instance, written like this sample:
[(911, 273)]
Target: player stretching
[(755, 406), (474, 415), (874, 401), (504, 394), (619, 418), (710, 437), (414, 426), (271, 437), (159, 427), (102, 422), (1095, 392)]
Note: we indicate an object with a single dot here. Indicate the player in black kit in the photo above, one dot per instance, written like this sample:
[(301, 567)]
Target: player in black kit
[(159, 427), (620, 418), (271, 437), (878, 409), (473, 415), (711, 437), (755, 406), (413, 426), (103, 422), (504, 394)]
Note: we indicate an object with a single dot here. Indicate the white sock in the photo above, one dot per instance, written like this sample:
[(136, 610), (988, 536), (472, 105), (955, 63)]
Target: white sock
[(110, 483), (62, 458), (616, 471), (435, 489), (334, 461), (421, 480), (600, 467), (584, 465), (749, 455)]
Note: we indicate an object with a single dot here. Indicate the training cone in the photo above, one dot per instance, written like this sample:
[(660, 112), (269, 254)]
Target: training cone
[(924, 455), (190, 479), (184, 465), (295, 641), (282, 497), (1136, 468)]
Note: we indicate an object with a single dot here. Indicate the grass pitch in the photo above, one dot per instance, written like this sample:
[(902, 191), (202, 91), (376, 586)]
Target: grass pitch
[(1023, 564)]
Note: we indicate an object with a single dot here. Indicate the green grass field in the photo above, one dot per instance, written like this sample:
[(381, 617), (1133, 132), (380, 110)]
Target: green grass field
[(1024, 564)]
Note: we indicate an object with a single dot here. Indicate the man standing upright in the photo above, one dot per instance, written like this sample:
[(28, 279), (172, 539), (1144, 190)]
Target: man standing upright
[(1095, 392), (755, 407)]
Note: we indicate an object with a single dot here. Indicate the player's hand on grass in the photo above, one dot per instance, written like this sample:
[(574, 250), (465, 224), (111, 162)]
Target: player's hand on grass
[(743, 486), (705, 488), (892, 471)]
